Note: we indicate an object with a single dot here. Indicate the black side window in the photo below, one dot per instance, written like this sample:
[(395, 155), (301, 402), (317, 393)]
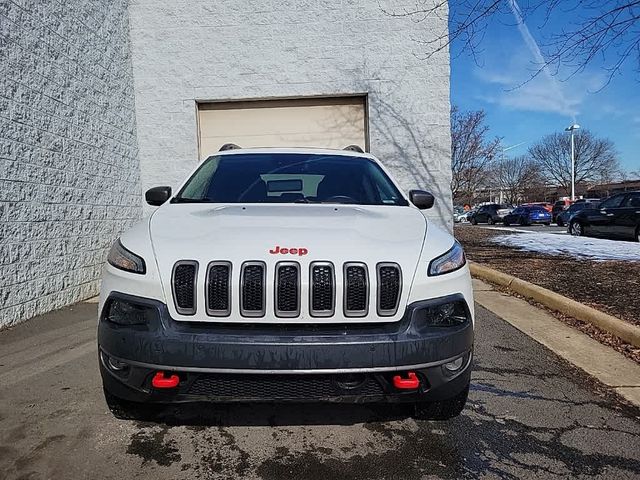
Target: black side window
[(612, 202), (633, 200)]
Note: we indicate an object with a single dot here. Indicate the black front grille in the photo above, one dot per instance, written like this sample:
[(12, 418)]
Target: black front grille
[(287, 290), (356, 290), (218, 289), (280, 387), (389, 284), (184, 287), (322, 290), (252, 298)]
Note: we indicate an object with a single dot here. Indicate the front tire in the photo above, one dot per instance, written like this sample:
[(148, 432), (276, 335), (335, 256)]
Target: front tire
[(559, 222), (474, 221), (443, 409), (576, 229), (491, 221)]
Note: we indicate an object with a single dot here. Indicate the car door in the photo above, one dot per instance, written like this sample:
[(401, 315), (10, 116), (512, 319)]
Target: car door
[(492, 212), (600, 221), (627, 217), (514, 216), (481, 215)]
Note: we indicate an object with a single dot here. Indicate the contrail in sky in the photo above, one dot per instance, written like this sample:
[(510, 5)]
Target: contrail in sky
[(533, 47)]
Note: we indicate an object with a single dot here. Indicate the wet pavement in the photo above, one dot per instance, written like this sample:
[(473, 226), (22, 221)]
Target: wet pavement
[(530, 415)]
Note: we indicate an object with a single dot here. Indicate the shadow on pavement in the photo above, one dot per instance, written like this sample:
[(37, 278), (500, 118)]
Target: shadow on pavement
[(271, 414)]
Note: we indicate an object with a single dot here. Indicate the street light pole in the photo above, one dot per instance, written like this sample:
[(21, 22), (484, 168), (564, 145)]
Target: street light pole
[(571, 129)]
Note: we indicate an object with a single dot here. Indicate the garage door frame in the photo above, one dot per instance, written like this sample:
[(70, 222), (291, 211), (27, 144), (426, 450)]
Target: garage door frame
[(223, 104)]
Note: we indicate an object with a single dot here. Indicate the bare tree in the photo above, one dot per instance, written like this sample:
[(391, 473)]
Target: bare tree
[(515, 177), (596, 158), (471, 152), (607, 30)]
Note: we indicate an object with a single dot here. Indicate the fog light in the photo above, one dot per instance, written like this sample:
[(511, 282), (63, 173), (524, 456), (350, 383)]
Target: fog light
[(116, 364), (449, 314), (455, 365), (125, 312)]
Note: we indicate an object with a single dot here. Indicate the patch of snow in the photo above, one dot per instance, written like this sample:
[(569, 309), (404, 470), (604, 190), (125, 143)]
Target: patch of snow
[(579, 247)]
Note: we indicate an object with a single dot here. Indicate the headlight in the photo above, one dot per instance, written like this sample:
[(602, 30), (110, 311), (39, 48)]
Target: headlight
[(125, 260), (450, 261)]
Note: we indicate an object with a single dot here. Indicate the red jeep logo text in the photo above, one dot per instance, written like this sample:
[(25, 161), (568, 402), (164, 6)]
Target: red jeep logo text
[(290, 251)]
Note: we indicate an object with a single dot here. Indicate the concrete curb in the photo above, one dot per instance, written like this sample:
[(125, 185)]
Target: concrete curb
[(624, 330)]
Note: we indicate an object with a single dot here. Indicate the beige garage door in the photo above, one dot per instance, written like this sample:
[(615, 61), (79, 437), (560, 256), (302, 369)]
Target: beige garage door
[(318, 122)]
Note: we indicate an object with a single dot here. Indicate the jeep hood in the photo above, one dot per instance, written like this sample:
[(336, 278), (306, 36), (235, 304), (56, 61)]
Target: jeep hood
[(238, 233)]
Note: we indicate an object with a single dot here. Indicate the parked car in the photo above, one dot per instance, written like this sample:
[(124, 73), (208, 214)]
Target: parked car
[(559, 207), (565, 216), (458, 214), (617, 217), (546, 205), (528, 215), (464, 216), (491, 214), (262, 279)]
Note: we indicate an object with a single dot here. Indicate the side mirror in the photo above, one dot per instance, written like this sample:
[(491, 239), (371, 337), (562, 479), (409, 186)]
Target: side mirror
[(156, 196), (421, 199)]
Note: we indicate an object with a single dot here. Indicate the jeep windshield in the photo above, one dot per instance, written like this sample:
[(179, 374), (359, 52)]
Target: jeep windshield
[(289, 178)]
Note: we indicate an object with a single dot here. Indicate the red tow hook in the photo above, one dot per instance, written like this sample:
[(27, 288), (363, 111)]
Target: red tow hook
[(160, 381), (411, 383)]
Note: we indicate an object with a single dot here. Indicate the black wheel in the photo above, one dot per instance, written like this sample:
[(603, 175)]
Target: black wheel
[(559, 222), (126, 410), (442, 410), (491, 221), (506, 223), (576, 229), (474, 221), (546, 224), (523, 222), (638, 234)]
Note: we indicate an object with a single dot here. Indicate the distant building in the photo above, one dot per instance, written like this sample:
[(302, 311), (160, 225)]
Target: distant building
[(607, 189)]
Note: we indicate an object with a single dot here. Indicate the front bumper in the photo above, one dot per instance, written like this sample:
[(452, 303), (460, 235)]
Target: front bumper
[(222, 362)]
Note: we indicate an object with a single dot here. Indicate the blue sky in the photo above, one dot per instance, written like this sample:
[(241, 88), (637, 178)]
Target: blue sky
[(546, 104)]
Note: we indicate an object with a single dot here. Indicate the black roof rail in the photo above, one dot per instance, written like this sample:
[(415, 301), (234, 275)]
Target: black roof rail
[(229, 146), (353, 148)]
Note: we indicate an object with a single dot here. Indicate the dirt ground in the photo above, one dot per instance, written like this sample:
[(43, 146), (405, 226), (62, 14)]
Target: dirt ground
[(609, 286)]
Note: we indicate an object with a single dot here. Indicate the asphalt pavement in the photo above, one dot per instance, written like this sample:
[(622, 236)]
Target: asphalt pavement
[(530, 415)]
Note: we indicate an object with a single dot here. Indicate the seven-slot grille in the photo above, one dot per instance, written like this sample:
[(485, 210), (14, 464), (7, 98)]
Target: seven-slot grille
[(218, 289)]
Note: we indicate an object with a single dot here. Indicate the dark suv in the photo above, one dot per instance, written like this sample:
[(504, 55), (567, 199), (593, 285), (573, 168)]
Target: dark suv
[(565, 216), (617, 216), (491, 214)]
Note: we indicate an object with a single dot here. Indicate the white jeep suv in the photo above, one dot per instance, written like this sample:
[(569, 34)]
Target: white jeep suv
[(287, 275)]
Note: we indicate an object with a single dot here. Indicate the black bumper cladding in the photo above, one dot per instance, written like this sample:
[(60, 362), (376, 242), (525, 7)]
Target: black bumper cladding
[(228, 363)]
